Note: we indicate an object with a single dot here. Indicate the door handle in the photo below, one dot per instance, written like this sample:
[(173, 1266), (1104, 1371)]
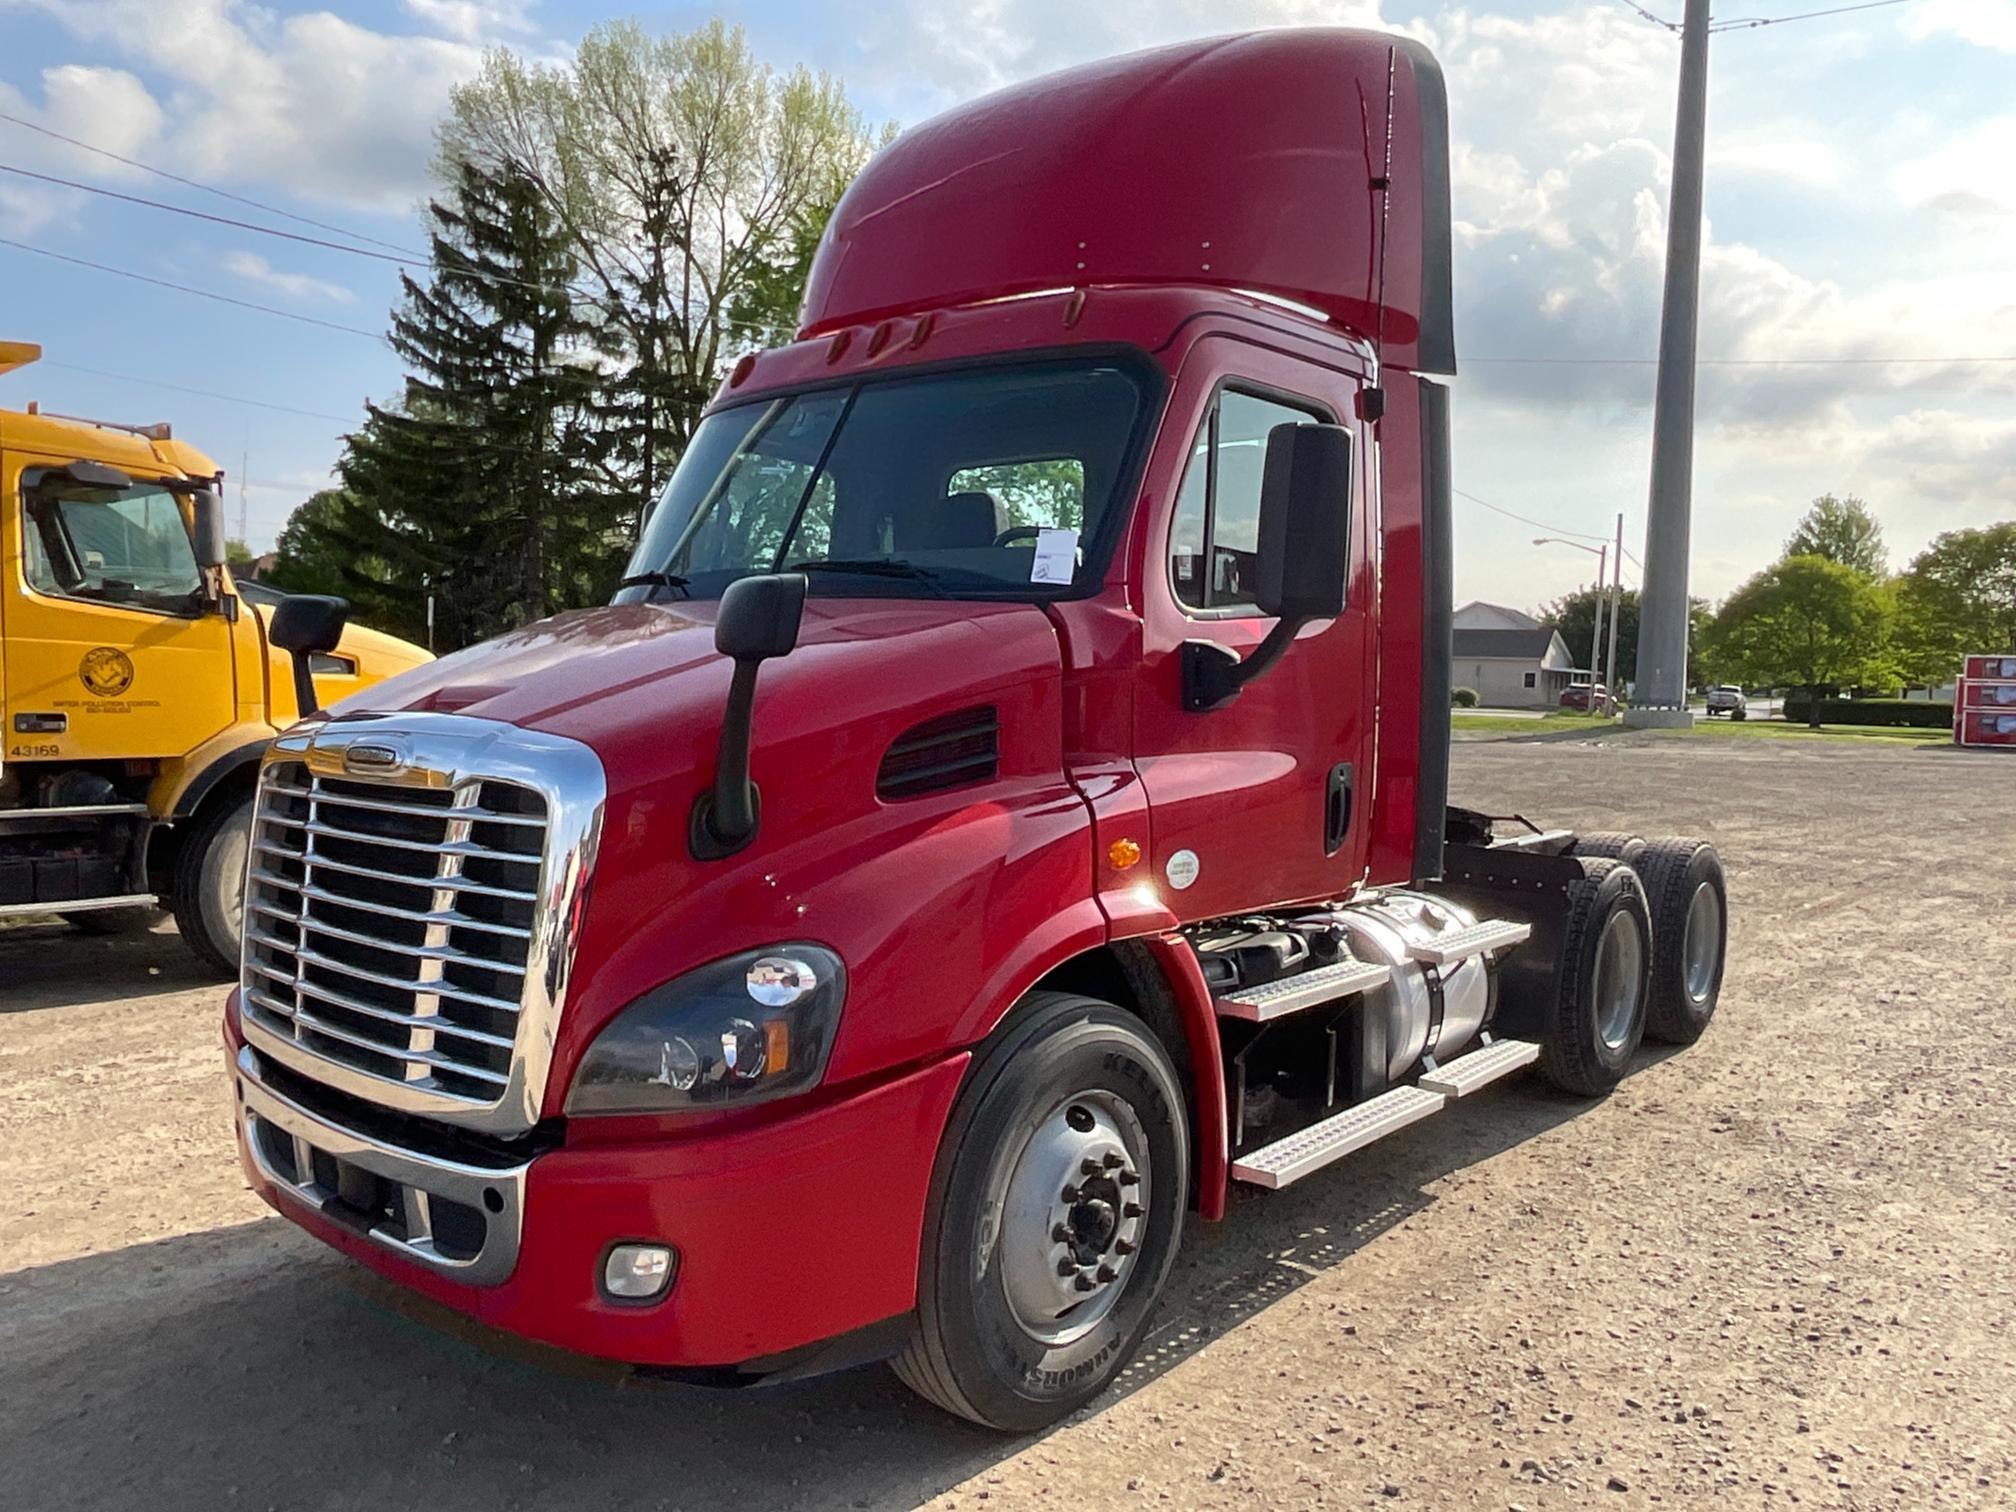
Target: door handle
[(1337, 808)]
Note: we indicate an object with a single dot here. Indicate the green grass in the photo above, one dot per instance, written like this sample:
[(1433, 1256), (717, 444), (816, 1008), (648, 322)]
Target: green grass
[(1707, 729), (1546, 724)]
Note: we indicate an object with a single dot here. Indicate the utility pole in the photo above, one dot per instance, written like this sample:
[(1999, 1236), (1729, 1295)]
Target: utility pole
[(1596, 634), (1661, 697), (1616, 603)]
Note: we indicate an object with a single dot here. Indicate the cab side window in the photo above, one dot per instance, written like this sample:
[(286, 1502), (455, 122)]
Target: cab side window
[(1215, 541)]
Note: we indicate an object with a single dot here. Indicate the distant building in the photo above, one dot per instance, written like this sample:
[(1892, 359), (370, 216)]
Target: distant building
[(1517, 667), (1478, 615)]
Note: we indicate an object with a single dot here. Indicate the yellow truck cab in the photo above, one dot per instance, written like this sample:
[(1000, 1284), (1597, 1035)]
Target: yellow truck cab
[(138, 686)]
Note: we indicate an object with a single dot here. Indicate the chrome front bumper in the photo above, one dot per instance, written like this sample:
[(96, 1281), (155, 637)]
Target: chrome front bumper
[(461, 1221)]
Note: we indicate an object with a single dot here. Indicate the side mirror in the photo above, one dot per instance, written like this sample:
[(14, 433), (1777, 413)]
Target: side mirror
[(212, 549), (302, 625), (758, 619), (1303, 556)]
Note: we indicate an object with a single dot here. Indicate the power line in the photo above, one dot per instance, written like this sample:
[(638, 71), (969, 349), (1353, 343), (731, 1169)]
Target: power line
[(1527, 520), (204, 188), (1751, 23), (162, 283), (1742, 361), (1646, 15), (178, 388)]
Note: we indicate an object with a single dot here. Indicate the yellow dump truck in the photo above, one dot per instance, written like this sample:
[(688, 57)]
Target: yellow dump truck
[(138, 684)]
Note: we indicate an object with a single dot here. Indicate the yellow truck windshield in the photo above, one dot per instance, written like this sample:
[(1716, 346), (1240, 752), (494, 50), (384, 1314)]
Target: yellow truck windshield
[(112, 545)]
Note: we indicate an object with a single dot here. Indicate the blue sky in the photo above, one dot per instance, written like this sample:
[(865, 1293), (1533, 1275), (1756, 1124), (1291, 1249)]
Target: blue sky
[(1862, 205)]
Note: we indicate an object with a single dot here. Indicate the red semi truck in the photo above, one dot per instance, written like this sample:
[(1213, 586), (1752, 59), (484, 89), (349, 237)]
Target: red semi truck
[(1005, 805)]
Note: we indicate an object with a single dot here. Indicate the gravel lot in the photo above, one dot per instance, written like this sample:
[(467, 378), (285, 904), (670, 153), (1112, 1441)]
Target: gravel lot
[(1777, 1268)]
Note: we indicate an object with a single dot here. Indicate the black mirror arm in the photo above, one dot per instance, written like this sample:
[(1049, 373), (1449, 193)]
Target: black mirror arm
[(725, 818), (304, 684), (1214, 674)]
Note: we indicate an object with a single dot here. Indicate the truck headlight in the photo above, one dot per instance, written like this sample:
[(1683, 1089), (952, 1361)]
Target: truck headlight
[(742, 1030)]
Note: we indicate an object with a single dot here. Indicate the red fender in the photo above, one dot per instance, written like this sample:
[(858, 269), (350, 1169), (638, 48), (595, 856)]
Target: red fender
[(1207, 1067)]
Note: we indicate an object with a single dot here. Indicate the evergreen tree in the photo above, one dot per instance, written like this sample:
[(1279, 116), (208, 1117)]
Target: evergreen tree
[(489, 484)]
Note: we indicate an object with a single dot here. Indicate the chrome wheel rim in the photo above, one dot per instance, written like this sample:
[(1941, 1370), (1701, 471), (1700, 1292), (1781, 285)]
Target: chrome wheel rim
[(1073, 1215), (1620, 966), (1701, 944)]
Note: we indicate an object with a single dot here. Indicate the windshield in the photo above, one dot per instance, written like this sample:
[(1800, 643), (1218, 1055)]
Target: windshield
[(113, 545), (997, 483)]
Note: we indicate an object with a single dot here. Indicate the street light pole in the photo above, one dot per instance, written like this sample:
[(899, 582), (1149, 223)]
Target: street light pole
[(1602, 555), (1661, 694), (1616, 602)]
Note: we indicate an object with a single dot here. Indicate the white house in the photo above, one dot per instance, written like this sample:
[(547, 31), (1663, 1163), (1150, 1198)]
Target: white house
[(1510, 665), (1478, 615)]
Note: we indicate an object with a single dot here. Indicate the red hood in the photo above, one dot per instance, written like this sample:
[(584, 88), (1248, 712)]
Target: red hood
[(643, 686)]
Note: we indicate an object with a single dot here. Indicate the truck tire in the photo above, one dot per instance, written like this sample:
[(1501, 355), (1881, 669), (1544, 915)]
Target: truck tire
[(1608, 845), (1690, 936), (1054, 1215), (208, 888), (1739, 714), (1598, 1012)]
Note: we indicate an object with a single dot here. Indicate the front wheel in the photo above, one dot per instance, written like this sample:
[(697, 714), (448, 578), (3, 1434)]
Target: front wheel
[(209, 882), (1054, 1215)]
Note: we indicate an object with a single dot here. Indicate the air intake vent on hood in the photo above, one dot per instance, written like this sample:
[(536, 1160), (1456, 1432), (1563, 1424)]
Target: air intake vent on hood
[(950, 751)]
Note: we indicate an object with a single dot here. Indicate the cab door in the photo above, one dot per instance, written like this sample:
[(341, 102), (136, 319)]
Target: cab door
[(1259, 801), (112, 652)]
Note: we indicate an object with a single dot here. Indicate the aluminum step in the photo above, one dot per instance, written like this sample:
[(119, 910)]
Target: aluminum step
[(78, 905), (1276, 1165), (1479, 1068), (1461, 944), (1326, 984)]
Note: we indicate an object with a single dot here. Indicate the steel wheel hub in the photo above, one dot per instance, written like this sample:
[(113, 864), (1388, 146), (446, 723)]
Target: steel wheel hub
[(1701, 947), (1620, 959), (1073, 1214)]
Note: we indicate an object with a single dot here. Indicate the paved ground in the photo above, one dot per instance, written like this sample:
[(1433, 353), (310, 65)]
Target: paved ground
[(1777, 1269)]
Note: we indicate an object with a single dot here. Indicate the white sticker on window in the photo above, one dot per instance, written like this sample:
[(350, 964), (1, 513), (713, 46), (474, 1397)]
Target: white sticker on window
[(1056, 559)]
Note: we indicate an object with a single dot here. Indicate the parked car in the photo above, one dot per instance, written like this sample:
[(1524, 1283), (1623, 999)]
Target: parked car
[(1727, 698), (1588, 698)]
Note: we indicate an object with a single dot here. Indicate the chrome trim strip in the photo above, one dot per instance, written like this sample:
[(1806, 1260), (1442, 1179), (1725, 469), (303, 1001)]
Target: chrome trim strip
[(446, 752), (420, 1179)]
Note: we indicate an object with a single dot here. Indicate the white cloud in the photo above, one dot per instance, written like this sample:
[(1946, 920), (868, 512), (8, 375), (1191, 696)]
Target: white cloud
[(253, 268), (105, 106), (1985, 23), (473, 20), (323, 107)]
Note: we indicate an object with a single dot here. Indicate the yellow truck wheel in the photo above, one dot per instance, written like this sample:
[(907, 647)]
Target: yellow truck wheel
[(209, 885)]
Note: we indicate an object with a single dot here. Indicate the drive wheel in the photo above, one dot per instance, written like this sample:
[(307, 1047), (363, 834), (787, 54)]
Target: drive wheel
[(1598, 1014), (1690, 937), (209, 883), (1054, 1215), (1608, 845)]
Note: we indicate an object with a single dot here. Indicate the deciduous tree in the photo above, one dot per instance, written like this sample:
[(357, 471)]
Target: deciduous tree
[(1841, 530), (1806, 622)]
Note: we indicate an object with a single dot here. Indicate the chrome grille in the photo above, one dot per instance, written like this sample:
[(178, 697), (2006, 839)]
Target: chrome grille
[(390, 928)]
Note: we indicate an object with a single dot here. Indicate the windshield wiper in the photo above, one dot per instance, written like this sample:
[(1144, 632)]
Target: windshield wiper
[(872, 567), (652, 580)]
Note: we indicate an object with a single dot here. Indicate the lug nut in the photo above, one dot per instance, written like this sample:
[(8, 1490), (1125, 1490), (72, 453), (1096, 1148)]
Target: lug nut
[(1111, 1160), (1067, 1267), (1088, 1167), (1123, 1246), (1071, 1194), (1083, 1283), (1107, 1273), (1061, 1234), (1131, 1210), (1128, 1178)]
